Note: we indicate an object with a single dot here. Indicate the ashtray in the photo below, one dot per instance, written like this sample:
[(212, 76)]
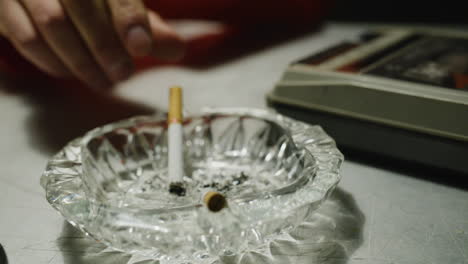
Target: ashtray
[(274, 171)]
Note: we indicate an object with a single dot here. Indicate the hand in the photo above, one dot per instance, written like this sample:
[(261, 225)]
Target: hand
[(93, 40)]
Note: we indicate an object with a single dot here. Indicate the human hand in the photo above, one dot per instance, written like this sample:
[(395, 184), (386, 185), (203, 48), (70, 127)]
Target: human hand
[(93, 40)]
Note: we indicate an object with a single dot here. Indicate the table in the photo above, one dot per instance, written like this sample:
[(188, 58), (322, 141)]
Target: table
[(377, 215)]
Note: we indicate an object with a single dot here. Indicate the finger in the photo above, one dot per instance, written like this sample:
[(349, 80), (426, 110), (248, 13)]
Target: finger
[(92, 20), (131, 23), (2, 27), (22, 34), (168, 45), (58, 31)]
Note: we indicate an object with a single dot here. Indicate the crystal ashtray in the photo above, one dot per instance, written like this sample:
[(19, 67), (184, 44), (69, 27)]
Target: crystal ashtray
[(274, 171)]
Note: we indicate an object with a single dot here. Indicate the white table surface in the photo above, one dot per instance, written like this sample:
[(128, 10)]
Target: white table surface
[(376, 216)]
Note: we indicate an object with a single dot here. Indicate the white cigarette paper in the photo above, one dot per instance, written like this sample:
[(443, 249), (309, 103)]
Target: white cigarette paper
[(175, 155), (176, 161)]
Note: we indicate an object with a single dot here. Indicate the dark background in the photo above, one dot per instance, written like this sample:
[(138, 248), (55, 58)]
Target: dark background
[(440, 12)]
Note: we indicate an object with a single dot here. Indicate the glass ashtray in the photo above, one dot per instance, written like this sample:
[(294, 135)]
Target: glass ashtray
[(112, 183)]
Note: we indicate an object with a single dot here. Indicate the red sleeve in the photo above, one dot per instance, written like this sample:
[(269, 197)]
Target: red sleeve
[(245, 12)]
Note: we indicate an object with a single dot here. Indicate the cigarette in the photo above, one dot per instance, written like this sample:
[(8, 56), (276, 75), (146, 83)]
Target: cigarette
[(214, 201), (175, 142)]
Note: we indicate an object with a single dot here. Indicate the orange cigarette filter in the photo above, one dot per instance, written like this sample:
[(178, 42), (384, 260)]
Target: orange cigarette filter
[(175, 105), (215, 201)]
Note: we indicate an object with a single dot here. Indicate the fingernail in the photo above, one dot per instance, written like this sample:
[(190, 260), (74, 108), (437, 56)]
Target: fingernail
[(121, 71), (139, 41)]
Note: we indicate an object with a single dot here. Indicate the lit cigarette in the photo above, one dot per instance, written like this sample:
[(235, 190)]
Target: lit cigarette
[(175, 152), (214, 201)]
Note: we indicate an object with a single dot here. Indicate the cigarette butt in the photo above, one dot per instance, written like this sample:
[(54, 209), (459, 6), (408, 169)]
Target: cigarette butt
[(175, 105), (214, 201)]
